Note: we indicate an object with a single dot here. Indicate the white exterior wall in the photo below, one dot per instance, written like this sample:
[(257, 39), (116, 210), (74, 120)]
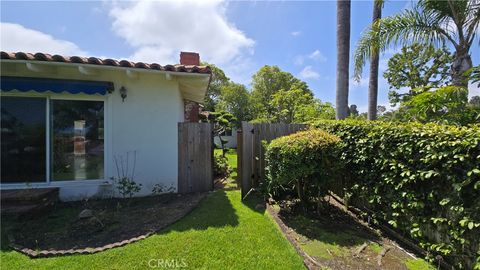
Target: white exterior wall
[(145, 123), (231, 140)]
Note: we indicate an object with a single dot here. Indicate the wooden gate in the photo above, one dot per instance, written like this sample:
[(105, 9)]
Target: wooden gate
[(251, 153), (195, 157)]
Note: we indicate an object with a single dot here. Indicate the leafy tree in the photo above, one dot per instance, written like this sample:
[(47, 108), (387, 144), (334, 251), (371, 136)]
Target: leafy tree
[(222, 121), (267, 81), (219, 80), (353, 111), (288, 104), (447, 105), (475, 75), (430, 22), (381, 109), (343, 57), (417, 67), (235, 99), (475, 102)]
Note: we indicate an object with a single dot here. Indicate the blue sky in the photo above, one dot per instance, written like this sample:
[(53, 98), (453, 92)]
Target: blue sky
[(240, 37)]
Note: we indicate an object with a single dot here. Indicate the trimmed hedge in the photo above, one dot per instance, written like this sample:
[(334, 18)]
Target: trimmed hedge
[(424, 180), (304, 161)]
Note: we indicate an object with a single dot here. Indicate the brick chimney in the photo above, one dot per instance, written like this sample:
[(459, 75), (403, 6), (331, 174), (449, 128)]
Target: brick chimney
[(189, 58)]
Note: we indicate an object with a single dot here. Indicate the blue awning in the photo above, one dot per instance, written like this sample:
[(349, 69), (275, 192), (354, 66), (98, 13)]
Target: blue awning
[(42, 85)]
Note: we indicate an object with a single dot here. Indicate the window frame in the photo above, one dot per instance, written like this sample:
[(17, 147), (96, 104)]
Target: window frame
[(48, 156)]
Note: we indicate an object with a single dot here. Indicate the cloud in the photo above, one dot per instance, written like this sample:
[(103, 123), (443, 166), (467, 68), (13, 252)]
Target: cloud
[(159, 30), (309, 73), (296, 33), (15, 38), (315, 56)]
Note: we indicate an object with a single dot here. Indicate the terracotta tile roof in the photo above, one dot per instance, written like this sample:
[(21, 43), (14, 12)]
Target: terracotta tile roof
[(103, 62)]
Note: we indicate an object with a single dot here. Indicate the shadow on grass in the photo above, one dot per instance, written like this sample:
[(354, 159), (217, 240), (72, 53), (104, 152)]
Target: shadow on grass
[(215, 210), (332, 226), (255, 202)]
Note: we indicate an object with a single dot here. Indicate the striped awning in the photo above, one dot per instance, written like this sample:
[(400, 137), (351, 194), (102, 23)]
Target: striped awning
[(42, 85)]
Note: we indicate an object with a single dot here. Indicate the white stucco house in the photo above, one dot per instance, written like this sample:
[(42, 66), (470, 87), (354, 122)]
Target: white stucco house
[(230, 137), (66, 120)]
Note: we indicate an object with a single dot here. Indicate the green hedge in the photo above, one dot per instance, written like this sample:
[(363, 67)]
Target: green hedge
[(303, 161), (423, 180)]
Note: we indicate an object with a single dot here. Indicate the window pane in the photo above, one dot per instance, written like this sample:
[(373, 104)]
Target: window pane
[(23, 139), (77, 139)]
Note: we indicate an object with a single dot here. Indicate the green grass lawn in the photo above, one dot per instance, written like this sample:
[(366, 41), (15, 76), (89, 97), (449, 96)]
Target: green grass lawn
[(222, 233), (232, 161)]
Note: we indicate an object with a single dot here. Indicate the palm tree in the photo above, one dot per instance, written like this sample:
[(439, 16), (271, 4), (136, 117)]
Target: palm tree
[(373, 82), (343, 57), (430, 22)]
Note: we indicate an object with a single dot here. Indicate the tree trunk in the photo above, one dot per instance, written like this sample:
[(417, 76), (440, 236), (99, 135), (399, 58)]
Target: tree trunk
[(343, 57), (373, 82), (461, 63)]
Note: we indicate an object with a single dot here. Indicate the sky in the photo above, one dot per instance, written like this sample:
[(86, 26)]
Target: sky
[(238, 36)]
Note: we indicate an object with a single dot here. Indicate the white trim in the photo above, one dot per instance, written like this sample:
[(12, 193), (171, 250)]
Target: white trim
[(48, 137), (93, 182), (105, 67)]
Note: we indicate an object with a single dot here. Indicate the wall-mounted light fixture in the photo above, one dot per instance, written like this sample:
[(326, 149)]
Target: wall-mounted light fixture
[(123, 93)]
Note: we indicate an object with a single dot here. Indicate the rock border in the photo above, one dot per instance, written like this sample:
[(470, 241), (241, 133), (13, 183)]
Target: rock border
[(52, 253)]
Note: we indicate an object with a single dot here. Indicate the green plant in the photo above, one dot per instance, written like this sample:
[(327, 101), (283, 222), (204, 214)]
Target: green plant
[(161, 188), (304, 161), (124, 181), (221, 168), (447, 105), (424, 180)]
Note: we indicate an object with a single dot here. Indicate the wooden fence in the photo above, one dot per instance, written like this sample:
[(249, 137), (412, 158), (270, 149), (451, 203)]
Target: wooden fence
[(251, 153), (195, 157)]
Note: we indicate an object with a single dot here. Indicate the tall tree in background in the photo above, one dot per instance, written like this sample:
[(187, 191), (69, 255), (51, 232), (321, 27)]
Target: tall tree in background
[(235, 99), (219, 80), (417, 68), (374, 61), (343, 57), (267, 81), (430, 22)]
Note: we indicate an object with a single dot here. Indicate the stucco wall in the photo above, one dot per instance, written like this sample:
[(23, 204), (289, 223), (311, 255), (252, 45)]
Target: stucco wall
[(231, 140), (145, 123)]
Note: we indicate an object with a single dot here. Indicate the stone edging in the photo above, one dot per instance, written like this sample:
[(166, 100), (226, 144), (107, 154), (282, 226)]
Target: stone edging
[(308, 261), (51, 253)]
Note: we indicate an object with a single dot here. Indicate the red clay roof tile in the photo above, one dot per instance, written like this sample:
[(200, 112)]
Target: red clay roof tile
[(102, 62)]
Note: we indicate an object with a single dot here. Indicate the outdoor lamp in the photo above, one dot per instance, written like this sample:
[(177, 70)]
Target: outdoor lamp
[(123, 93)]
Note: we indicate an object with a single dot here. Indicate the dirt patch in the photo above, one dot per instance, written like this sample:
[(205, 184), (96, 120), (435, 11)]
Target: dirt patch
[(336, 240), (114, 221)]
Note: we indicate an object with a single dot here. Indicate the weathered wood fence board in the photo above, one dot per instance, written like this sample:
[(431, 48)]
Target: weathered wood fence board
[(195, 157), (251, 152)]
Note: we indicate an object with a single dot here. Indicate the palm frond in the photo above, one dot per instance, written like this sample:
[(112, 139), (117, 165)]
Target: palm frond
[(408, 27)]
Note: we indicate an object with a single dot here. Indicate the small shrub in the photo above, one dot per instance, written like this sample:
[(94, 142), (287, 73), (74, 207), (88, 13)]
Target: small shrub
[(124, 181), (127, 187), (221, 169), (304, 161), (161, 188)]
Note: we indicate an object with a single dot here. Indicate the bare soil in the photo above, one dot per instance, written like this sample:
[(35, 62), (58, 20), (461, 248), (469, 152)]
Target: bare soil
[(333, 239), (113, 220)]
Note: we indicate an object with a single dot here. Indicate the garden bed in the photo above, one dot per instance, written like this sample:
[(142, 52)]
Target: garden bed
[(334, 239), (115, 222)]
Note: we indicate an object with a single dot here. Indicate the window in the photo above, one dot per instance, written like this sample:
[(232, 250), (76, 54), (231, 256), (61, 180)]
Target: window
[(74, 129), (77, 139), (23, 141)]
